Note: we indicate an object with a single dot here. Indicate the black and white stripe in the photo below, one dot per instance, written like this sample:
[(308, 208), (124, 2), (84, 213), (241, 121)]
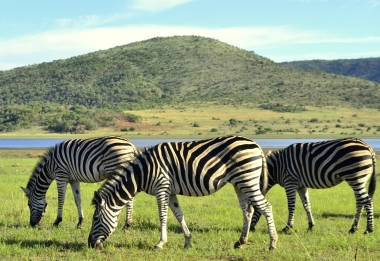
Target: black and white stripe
[(74, 161), (324, 165), (197, 168)]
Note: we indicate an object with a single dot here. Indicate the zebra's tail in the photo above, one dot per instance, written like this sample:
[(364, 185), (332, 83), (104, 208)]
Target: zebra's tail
[(264, 176), (372, 182)]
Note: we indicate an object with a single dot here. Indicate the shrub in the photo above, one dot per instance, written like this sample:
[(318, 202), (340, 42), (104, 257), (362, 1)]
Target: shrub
[(314, 120)]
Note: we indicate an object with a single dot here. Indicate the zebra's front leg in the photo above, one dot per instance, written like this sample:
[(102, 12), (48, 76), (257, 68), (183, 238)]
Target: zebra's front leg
[(304, 195), (75, 187), (61, 187), (247, 211), (128, 220), (163, 203), (177, 211), (291, 196)]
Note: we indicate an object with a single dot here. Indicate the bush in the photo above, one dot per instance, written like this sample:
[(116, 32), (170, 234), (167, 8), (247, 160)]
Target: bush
[(131, 117), (315, 120)]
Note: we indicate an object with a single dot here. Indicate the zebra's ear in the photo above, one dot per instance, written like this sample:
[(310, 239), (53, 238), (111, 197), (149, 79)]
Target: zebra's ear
[(26, 191)]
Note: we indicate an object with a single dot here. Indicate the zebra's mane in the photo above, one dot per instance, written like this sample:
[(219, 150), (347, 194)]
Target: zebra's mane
[(273, 152), (37, 169)]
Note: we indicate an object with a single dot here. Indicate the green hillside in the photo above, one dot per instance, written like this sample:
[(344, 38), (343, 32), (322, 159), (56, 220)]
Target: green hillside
[(366, 68), (69, 95)]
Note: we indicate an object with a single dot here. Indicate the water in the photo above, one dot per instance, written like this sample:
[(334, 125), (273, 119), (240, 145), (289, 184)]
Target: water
[(141, 143)]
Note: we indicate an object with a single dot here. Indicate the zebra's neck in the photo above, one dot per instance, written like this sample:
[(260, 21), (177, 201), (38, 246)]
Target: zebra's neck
[(41, 177), (121, 188)]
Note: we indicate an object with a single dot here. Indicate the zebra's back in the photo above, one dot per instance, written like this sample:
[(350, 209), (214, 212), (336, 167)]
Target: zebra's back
[(326, 164), (200, 168), (91, 160)]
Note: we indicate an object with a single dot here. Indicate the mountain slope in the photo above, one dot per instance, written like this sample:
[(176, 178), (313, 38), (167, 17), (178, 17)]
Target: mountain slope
[(366, 68), (180, 69)]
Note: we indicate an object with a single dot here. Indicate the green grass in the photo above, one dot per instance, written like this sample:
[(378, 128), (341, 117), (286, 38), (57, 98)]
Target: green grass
[(215, 222)]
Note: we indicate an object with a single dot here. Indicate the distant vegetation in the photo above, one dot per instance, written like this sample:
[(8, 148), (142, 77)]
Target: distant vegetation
[(366, 68), (91, 90)]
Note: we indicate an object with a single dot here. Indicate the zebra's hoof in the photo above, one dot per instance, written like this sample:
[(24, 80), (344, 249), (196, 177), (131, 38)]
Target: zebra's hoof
[(237, 245), (352, 230), (272, 248), (188, 245), (127, 226), (287, 230), (252, 228), (80, 222), (157, 248)]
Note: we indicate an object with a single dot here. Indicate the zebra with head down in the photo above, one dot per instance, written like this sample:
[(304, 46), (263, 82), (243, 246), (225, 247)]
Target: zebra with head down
[(74, 161), (196, 168)]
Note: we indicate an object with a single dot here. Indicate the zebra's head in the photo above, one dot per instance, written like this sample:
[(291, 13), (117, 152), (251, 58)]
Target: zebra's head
[(37, 186), (37, 207), (104, 221)]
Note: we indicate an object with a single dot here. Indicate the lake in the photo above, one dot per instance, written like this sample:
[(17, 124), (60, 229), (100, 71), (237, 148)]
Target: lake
[(141, 143)]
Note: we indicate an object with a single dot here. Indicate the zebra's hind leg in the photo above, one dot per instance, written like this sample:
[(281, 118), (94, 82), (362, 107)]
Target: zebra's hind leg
[(369, 209), (368, 205), (260, 204), (128, 220), (304, 195), (266, 209), (255, 219), (247, 210), (177, 211), (355, 225)]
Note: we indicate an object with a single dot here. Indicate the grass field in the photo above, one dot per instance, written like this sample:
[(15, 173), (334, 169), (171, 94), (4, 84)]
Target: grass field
[(215, 222), (209, 120)]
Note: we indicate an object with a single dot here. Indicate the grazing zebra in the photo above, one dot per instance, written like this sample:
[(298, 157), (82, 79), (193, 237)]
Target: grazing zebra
[(323, 165), (197, 168), (74, 161)]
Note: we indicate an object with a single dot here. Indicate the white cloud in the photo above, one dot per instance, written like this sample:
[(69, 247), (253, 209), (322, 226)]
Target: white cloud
[(66, 43), (157, 5)]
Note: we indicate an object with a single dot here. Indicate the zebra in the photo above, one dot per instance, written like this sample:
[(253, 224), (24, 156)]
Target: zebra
[(321, 165), (193, 168), (74, 161)]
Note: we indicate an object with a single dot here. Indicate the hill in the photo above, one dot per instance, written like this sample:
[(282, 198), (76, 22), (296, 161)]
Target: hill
[(91, 90), (366, 68)]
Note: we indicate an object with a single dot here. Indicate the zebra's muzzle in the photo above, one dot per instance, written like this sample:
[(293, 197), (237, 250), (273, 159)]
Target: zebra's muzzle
[(98, 244)]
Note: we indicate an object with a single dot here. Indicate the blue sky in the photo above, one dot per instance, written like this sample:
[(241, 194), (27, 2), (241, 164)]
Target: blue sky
[(33, 32)]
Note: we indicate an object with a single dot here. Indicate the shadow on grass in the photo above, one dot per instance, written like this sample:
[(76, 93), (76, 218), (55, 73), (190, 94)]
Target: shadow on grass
[(72, 246), (348, 216), (176, 228)]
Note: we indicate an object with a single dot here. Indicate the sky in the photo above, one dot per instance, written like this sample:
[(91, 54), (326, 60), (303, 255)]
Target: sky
[(33, 32)]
